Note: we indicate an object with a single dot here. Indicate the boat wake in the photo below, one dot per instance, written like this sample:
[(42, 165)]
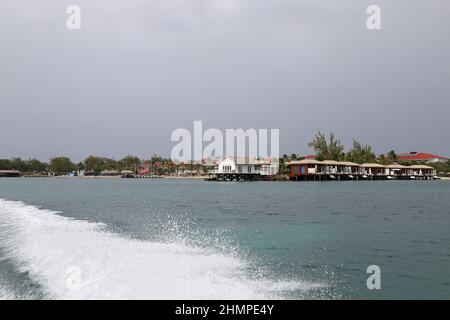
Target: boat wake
[(73, 259)]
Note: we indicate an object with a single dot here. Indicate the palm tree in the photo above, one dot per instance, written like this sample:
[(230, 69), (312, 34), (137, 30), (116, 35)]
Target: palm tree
[(361, 153), (382, 159), (392, 156), (331, 149)]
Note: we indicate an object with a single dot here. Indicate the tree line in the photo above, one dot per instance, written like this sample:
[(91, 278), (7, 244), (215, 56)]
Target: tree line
[(92, 165), (325, 148), (332, 148)]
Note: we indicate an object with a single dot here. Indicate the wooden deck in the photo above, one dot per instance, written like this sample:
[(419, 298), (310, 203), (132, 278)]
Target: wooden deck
[(356, 177)]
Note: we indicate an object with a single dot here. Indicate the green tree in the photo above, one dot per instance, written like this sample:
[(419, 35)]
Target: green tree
[(130, 163), (392, 156), (36, 166), (360, 153), (442, 169), (19, 164), (61, 165), (6, 164), (282, 167), (94, 165), (382, 159), (331, 149)]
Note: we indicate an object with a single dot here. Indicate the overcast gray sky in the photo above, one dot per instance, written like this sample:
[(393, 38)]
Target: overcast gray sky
[(139, 69)]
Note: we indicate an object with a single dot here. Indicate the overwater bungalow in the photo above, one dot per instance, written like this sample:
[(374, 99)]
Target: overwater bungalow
[(352, 169), (421, 172), (396, 171), (373, 171), (332, 167), (305, 167), (311, 169), (314, 170)]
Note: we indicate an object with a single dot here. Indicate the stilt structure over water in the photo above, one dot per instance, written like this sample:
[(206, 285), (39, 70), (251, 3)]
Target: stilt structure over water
[(328, 170), (243, 169)]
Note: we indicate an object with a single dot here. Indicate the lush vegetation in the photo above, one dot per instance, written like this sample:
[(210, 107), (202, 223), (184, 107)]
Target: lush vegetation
[(61, 166), (332, 148), (360, 153), (325, 147), (31, 165), (92, 165)]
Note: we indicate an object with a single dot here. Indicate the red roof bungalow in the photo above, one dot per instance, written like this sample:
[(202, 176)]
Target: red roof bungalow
[(421, 157)]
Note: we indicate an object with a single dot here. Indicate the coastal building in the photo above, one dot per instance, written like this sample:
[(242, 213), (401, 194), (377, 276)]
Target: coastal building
[(351, 168), (422, 157), (9, 173), (314, 170), (127, 174), (304, 167), (332, 169), (419, 170), (109, 173), (396, 171), (241, 169), (373, 171)]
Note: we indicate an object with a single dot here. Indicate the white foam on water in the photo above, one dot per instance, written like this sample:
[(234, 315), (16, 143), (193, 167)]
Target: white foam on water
[(74, 259), (6, 294)]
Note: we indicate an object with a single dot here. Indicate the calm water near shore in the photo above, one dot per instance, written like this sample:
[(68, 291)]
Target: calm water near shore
[(173, 238)]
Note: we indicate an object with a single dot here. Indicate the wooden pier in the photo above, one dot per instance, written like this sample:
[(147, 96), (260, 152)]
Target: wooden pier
[(234, 177)]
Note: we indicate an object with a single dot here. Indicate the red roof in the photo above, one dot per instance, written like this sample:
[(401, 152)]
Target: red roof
[(419, 156), (311, 157)]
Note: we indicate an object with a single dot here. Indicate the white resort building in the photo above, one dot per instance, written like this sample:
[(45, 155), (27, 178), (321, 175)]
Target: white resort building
[(241, 169)]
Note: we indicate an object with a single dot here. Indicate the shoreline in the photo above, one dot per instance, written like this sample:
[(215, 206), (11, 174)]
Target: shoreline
[(187, 178)]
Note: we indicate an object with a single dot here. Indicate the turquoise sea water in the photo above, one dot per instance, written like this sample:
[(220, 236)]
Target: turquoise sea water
[(180, 239)]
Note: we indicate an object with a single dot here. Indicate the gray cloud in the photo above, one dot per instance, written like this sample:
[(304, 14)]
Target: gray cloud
[(139, 69)]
